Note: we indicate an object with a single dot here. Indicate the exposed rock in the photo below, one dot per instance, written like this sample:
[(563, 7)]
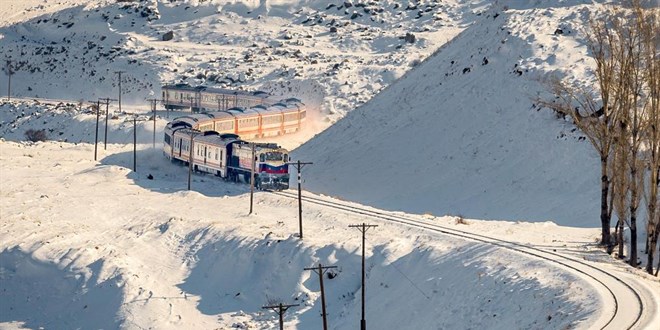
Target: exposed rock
[(410, 38), (168, 36)]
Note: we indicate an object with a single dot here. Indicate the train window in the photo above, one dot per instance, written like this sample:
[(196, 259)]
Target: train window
[(273, 156), (262, 158), (286, 158)]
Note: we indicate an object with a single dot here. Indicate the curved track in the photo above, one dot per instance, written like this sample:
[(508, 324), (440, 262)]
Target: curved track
[(624, 303)]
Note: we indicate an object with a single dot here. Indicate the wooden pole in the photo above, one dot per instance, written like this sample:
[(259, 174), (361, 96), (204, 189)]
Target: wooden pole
[(320, 270), (9, 73), (280, 309), (154, 102), (154, 123), (252, 177), (363, 228), (300, 227), (190, 159), (135, 143), (167, 102), (119, 73), (299, 166), (96, 135), (107, 112), (105, 135)]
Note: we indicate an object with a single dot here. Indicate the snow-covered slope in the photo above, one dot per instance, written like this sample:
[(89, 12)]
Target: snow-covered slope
[(461, 133), (87, 244), (332, 55), (92, 244)]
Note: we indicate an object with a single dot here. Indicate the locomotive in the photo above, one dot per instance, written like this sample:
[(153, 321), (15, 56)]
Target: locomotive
[(227, 156)]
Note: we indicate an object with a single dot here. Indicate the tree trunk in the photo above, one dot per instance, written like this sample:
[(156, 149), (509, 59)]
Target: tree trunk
[(651, 252), (634, 203), (620, 238), (633, 237), (604, 214)]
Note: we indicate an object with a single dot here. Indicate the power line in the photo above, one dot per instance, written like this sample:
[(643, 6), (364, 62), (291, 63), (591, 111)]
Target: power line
[(401, 272)]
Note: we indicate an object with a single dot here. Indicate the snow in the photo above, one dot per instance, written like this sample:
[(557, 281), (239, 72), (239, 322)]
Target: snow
[(94, 244)]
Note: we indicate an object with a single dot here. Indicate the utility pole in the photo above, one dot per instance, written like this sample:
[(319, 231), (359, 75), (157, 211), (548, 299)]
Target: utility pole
[(280, 309), (107, 104), (96, 132), (119, 73), (299, 166), (190, 160), (135, 143), (9, 73), (363, 228), (166, 104), (321, 270), (252, 177), (153, 108)]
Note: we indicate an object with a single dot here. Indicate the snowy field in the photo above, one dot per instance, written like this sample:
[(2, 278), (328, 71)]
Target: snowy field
[(425, 109), (94, 245)]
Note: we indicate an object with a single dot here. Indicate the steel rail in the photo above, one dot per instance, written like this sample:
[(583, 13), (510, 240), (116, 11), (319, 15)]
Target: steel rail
[(518, 247)]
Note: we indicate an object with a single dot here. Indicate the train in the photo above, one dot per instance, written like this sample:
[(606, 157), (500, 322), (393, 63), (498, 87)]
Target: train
[(246, 114), (228, 156)]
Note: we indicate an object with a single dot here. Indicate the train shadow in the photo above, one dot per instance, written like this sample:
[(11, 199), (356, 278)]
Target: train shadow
[(154, 172)]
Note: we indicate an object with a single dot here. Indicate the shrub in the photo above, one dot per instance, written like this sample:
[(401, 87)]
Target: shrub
[(34, 135), (460, 220)]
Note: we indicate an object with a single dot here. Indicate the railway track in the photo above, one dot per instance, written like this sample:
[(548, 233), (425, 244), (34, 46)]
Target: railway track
[(624, 301)]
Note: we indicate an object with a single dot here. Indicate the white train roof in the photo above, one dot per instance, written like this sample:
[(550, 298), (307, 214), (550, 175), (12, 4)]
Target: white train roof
[(285, 106), (217, 139), (216, 90)]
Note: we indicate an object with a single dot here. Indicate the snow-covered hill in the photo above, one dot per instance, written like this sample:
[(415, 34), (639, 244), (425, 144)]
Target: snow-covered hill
[(448, 125), (461, 133), (333, 55), (87, 244)]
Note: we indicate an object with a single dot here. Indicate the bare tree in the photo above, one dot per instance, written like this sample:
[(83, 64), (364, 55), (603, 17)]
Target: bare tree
[(647, 22), (593, 109), (633, 114), (619, 184)]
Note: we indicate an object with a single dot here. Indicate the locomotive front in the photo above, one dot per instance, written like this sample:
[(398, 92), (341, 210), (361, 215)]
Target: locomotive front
[(273, 170)]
